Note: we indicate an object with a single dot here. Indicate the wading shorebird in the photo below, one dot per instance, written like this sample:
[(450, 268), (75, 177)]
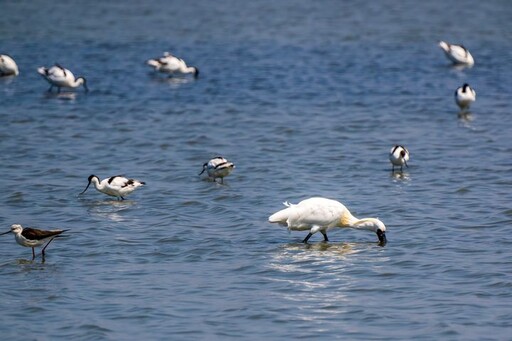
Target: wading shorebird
[(458, 54), (116, 186), (320, 215), (61, 78), (8, 66), (399, 155), (30, 237), (218, 167), (464, 96), (172, 65)]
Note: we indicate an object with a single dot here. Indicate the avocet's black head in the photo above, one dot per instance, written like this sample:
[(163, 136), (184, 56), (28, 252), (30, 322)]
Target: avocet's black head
[(89, 182), (84, 83), (204, 168), (196, 72), (465, 87)]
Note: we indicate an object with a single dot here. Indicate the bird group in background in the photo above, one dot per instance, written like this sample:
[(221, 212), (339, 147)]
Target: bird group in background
[(314, 214), (8, 66), (218, 168), (464, 96), (321, 215), (30, 237), (116, 186), (172, 65), (61, 78)]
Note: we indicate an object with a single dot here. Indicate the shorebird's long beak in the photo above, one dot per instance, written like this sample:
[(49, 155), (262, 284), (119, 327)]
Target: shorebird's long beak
[(382, 237), (85, 188), (204, 168), (406, 165), (1, 234)]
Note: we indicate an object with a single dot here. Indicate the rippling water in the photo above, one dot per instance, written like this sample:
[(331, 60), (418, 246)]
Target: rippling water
[(306, 98)]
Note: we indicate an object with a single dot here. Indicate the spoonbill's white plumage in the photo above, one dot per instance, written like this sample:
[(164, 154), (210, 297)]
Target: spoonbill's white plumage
[(399, 155), (61, 78), (218, 167), (458, 54), (30, 237), (116, 186), (320, 215), (464, 96), (8, 66), (172, 65)]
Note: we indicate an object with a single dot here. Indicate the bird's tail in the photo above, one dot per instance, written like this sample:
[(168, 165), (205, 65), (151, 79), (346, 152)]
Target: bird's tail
[(281, 217), (444, 46), (42, 71), (154, 63)]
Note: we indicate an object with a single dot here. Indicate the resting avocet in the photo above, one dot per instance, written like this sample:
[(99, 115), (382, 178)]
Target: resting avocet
[(8, 66), (30, 237), (172, 65), (116, 186), (458, 54), (464, 96), (321, 214), (218, 167), (399, 155), (61, 78)]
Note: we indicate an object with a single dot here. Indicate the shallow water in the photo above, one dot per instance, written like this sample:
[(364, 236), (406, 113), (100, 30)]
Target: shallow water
[(306, 98)]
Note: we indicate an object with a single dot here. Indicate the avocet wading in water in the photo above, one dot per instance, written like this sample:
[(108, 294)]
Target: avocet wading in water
[(218, 167), (399, 155), (31, 237), (8, 66), (116, 186), (61, 78), (321, 215), (172, 65), (458, 54), (464, 96)]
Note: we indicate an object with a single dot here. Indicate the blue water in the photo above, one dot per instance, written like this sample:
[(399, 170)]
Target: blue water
[(306, 98)]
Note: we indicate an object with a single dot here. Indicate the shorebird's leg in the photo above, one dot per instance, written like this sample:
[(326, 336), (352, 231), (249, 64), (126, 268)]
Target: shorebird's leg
[(33, 254), (44, 248), (307, 238), (325, 236)]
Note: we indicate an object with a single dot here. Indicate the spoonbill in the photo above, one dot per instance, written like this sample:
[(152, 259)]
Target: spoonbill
[(321, 214)]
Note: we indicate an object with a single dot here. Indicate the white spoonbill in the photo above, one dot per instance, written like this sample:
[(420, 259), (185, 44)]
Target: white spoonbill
[(172, 65), (458, 54), (399, 155), (218, 167), (30, 237), (61, 78), (321, 214), (8, 66), (116, 186), (464, 96)]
